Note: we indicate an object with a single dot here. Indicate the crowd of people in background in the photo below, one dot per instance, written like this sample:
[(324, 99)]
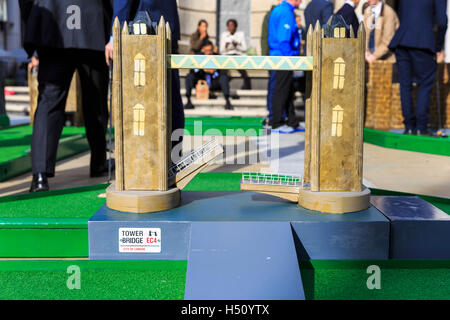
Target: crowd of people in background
[(410, 41), (284, 35), (232, 43)]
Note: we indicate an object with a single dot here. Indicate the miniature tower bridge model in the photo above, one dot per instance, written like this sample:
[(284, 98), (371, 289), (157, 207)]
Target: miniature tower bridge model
[(146, 179), (334, 117)]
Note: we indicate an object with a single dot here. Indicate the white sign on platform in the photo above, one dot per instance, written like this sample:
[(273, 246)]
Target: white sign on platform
[(140, 240)]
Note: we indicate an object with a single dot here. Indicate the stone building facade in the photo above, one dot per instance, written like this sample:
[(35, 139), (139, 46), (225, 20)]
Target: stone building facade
[(249, 14)]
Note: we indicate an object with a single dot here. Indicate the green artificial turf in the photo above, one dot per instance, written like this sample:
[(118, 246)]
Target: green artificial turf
[(15, 142), (230, 126), (400, 279), (15, 158), (76, 204), (215, 181), (155, 280), (79, 204), (432, 145), (322, 280)]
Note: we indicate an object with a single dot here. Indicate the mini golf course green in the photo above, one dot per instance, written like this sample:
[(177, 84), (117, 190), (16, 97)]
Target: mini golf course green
[(391, 140), (15, 158), (54, 224)]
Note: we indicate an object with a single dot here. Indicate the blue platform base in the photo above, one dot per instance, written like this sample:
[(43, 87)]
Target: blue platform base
[(358, 235), (239, 245), (243, 261), (418, 229)]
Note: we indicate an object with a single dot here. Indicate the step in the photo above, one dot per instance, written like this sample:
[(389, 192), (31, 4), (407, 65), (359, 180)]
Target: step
[(18, 107), (249, 103), (257, 74), (220, 102), (234, 92), (208, 112), (18, 98), (17, 89), (254, 93)]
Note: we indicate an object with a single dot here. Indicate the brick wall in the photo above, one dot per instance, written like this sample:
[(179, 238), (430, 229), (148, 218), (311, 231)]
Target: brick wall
[(383, 105)]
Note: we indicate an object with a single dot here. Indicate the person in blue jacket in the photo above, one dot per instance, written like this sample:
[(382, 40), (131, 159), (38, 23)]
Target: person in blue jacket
[(318, 10), (416, 49), (284, 40), (125, 10)]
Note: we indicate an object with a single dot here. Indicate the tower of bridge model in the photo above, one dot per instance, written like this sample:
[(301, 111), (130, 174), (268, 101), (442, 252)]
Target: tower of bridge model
[(334, 116), (146, 178)]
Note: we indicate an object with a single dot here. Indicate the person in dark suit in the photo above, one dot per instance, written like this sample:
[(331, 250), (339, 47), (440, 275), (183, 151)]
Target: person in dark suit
[(216, 79), (125, 10), (67, 35), (416, 51), (318, 10), (347, 11)]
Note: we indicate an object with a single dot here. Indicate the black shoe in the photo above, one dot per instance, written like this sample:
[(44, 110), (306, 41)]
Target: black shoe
[(228, 106), (426, 133), (409, 131), (39, 183), (102, 171), (189, 105), (267, 123)]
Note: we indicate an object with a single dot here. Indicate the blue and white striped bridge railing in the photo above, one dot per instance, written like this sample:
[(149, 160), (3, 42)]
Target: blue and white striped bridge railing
[(178, 61)]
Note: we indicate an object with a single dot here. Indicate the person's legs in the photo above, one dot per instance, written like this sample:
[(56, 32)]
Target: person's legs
[(247, 84), (405, 78), (177, 107), (270, 89), (94, 87), (282, 98), (55, 74), (177, 103), (424, 66), (224, 83), (190, 82)]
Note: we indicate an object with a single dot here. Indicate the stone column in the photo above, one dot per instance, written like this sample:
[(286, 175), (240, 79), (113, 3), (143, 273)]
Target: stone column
[(238, 10), (191, 11)]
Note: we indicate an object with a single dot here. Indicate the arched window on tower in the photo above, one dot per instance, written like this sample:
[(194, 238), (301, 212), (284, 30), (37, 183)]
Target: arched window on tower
[(138, 120), (337, 121), (139, 70), (339, 74), (339, 32)]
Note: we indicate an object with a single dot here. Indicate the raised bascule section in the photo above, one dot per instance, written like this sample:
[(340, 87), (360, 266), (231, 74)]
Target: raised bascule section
[(247, 245), (143, 127)]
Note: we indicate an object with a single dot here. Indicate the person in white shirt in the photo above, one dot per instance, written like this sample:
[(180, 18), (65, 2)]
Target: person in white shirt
[(232, 43)]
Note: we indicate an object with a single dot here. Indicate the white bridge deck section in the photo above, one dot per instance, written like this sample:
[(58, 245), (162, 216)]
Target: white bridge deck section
[(194, 157), (271, 179)]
